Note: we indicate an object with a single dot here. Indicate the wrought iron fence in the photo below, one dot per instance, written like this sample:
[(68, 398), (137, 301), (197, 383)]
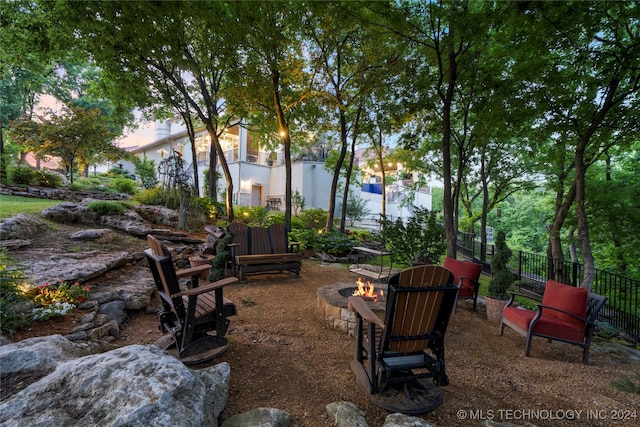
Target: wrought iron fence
[(622, 309)]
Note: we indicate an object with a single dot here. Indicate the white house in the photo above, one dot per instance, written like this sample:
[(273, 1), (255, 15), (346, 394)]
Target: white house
[(259, 175)]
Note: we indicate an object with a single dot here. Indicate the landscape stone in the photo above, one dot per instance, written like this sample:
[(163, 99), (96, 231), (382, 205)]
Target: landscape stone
[(259, 417), (15, 243), (131, 222), (346, 414), (401, 420), (103, 235), (133, 385), (70, 213), (42, 353), (114, 310), (21, 227)]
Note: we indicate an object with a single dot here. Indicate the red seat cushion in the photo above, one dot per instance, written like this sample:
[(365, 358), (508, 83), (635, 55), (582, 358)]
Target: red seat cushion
[(546, 325), (463, 269), (567, 298)]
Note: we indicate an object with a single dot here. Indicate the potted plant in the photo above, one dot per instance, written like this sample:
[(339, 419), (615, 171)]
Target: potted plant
[(502, 279), (421, 241)]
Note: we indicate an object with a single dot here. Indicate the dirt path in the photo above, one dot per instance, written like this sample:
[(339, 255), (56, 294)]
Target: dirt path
[(283, 356)]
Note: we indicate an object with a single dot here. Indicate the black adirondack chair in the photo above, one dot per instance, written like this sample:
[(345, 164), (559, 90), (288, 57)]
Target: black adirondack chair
[(190, 314), (399, 361)]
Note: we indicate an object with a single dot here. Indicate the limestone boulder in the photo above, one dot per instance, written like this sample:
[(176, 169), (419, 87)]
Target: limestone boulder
[(70, 213), (21, 227), (103, 235), (73, 267), (44, 353), (131, 222), (264, 417), (133, 385)]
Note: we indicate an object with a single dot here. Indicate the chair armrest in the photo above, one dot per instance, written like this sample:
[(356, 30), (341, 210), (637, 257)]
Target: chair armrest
[(359, 305), (188, 272), (294, 247), (582, 319), (206, 288), (476, 284), (513, 296)]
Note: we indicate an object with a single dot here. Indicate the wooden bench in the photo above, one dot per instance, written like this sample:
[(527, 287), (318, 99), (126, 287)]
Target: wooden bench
[(258, 249), (381, 273)]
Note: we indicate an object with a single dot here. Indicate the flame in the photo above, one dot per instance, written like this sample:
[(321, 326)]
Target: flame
[(368, 290)]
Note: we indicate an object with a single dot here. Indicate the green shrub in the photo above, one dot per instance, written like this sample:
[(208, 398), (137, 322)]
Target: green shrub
[(11, 278), (92, 183), (421, 239), (252, 215), (336, 243), (75, 186), (309, 239), (102, 207), (120, 184), (118, 172), (22, 174), (364, 235), (314, 219), (151, 196), (48, 179), (356, 208), (146, 171), (503, 278)]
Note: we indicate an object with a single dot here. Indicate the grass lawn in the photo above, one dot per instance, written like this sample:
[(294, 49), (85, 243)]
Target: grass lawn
[(12, 205)]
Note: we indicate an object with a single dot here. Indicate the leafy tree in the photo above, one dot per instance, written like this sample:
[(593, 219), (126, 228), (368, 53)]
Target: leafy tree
[(73, 135), (586, 88), (272, 78), (356, 208), (146, 171)]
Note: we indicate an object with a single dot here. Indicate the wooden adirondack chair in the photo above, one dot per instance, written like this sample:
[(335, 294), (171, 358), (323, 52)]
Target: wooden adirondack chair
[(188, 315), (567, 314), (396, 357)]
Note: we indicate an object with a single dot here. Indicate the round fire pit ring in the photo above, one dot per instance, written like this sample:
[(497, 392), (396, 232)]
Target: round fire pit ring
[(331, 305)]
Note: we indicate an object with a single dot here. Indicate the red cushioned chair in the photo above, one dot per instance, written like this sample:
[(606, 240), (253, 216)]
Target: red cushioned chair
[(566, 314), (465, 276)]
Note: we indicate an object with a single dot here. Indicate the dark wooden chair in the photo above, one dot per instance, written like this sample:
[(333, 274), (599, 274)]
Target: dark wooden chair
[(399, 359), (567, 314), (189, 314), (466, 275)]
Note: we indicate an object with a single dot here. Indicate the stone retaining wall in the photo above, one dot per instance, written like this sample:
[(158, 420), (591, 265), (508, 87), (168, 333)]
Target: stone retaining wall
[(58, 193)]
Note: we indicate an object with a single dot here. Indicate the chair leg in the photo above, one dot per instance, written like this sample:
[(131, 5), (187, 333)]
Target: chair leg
[(501, 325), (527, 347)]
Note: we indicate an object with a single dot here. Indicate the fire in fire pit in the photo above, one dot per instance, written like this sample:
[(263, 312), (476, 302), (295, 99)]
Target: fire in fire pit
[(368, 291)]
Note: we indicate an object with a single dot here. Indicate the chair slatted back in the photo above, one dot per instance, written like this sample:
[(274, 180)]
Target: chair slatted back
[(419, 304), (241, 237), (164, 273), (260, 241), (278, 238)]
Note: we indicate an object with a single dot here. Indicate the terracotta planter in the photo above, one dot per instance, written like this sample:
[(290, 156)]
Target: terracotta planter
[(197, 260), (494, 309)]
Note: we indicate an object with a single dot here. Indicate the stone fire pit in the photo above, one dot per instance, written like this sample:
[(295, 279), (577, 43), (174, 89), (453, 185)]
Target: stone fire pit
[(331, 305)]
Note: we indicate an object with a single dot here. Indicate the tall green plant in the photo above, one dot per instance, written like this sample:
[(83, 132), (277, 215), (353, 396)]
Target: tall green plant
[(422, 239), (502, 277)]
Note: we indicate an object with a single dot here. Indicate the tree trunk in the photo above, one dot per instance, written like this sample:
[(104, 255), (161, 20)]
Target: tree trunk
[(215, 142), (336, 175)]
